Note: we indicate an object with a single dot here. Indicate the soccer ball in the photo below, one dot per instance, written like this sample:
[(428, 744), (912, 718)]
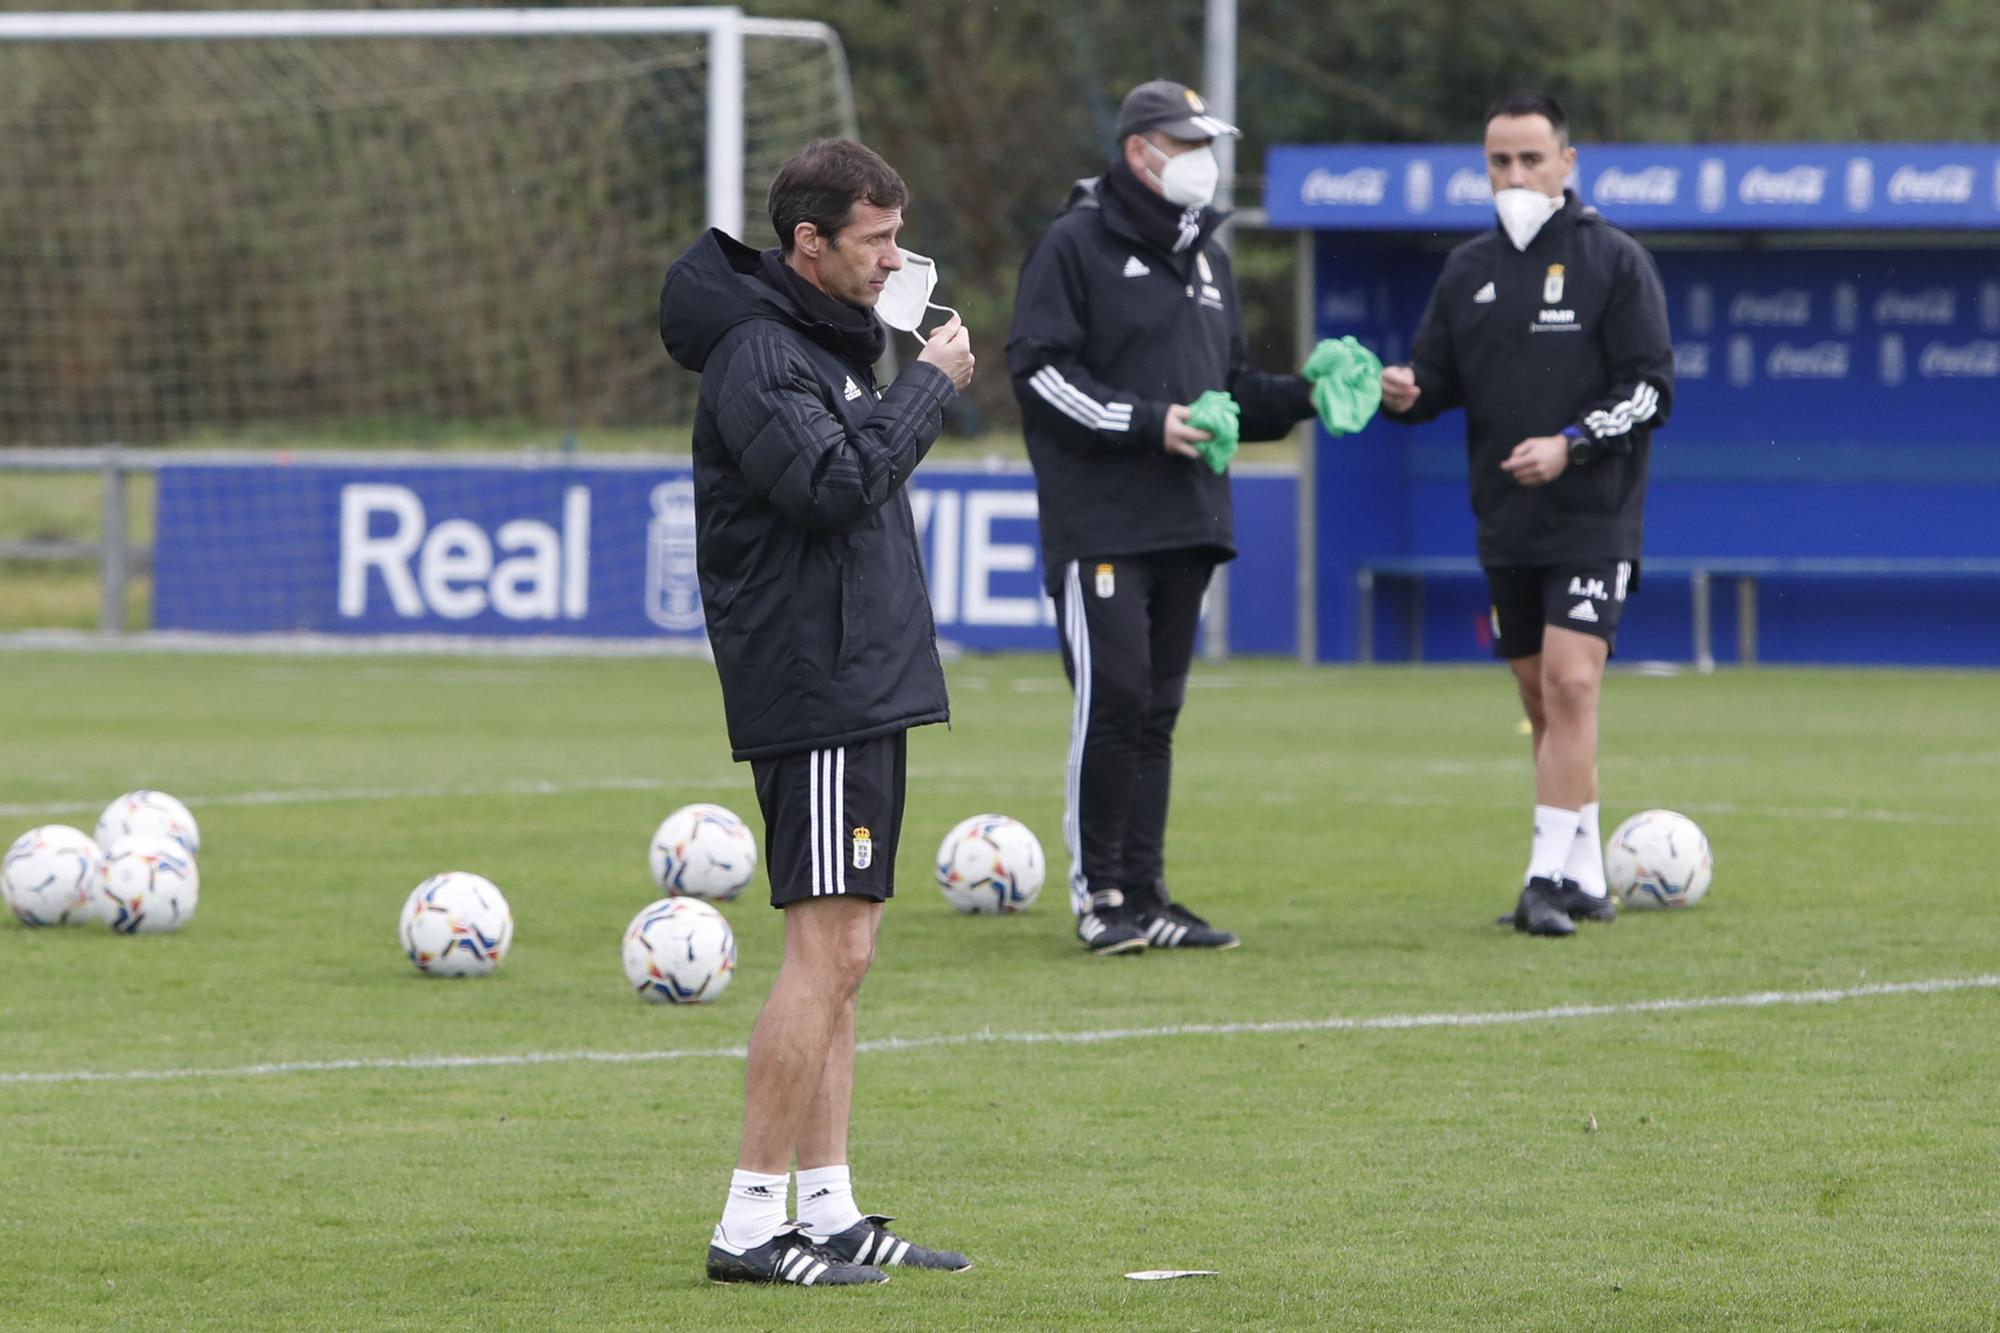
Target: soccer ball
[(679, 951), (152, 812), (50, 876), (1658, 859), (456, 925), (990, 864), (150, 885), (703, 851)]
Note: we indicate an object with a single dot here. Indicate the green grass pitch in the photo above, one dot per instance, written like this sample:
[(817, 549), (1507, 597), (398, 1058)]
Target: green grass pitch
[(1785, 1165)]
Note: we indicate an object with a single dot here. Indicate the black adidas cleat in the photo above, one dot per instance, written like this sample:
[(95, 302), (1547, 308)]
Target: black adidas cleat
[(1581, 906), (1104, 933), (1540, 909), (870, 1241), (791, 1256), (1174, 927)]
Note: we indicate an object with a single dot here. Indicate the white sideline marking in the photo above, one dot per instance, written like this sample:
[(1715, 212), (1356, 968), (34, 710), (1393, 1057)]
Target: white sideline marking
[(988, 1037), (940, 776), (311, 795), (346, 645)]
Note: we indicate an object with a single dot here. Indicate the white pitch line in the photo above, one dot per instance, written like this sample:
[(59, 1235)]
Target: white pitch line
[(988, 1037), (940, 775), (315, 795)]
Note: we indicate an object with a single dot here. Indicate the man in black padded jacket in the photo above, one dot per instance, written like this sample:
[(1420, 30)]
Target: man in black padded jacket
[(817, 610), (1551, 332), (1126, 314)]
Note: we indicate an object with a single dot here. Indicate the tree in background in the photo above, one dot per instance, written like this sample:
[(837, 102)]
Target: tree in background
[(992, 109)]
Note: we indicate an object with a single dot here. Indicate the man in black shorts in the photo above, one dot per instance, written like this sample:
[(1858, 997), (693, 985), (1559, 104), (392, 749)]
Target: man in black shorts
[(1551, 331), (813, 589)]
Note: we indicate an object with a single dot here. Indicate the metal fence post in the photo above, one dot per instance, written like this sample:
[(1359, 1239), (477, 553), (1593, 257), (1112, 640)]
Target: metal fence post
[(1746, 620), (1219, 83), (1704, 644), (111, 547), (1215, 633)]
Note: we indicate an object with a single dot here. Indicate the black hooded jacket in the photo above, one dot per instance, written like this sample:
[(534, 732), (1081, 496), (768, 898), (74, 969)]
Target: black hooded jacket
[(1113, 325), (811, 576), (1570, 333)]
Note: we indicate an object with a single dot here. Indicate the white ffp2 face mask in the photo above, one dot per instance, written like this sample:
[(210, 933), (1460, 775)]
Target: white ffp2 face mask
[(1522, 213), (1188, 179), (907, 294)]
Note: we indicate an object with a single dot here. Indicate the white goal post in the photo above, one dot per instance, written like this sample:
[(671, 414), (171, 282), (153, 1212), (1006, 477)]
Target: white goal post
[(724, 27), (314, 228), (424, 232)]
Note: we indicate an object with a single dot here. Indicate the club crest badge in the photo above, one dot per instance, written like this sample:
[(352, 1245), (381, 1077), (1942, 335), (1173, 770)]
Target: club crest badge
[(1552, 285), (1106, 585), (864, 849)]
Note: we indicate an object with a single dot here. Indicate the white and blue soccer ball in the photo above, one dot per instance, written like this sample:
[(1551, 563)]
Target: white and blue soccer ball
[(150, 885), (148, 812), (50, 876), (679, 951), (703, 851), (456, 925), (1658, 859), (991, 865)]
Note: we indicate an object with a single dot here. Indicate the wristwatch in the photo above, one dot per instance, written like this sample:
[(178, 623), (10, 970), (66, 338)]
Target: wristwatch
[(1582, 449)]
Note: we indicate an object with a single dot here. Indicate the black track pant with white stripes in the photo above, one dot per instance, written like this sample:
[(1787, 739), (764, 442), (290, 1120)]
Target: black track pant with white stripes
[(1128, 629)]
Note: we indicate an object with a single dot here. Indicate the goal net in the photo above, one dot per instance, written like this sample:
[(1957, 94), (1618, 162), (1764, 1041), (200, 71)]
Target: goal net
[(358, 238)]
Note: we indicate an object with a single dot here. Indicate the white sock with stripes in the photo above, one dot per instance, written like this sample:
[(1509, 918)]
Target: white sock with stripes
[(1555, 830), (826, 1200), (754, 1211), (1586, 854)]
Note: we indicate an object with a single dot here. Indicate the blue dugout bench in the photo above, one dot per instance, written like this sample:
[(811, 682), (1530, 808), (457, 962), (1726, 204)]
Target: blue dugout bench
[(1411, 571)]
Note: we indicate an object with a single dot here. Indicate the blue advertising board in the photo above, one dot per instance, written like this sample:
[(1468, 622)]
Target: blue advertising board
[(1680, 187), (1834, 396), (597, 551)]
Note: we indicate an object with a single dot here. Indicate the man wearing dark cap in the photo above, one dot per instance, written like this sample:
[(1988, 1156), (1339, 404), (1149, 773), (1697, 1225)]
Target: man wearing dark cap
[(1127, 314)]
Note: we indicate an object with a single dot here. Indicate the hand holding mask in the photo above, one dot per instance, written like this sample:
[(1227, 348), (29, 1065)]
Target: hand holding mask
[(907, 294)]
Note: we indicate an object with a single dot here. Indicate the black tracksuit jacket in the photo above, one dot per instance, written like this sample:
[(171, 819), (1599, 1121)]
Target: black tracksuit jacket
[(1571, 332), (1109, 331), (811, 576)]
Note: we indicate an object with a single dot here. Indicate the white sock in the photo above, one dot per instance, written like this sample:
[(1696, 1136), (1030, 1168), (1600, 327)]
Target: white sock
[(1555, 830), (826, 1200), (754, 1211), (1586, 854)]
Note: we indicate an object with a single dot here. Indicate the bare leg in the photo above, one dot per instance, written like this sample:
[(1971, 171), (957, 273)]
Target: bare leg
[(1528, 679), (1572, 678), (822, 1139), (829, 943)]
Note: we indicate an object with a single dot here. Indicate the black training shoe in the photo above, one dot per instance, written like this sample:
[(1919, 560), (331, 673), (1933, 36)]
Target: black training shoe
[(1105, 933), (870, 1241), (1581, 906), (1540, 909), (791, 1256), (1174, 927)]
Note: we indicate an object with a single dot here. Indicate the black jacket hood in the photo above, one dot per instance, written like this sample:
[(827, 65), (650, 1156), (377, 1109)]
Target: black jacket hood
[(711, 289), (720, 283)]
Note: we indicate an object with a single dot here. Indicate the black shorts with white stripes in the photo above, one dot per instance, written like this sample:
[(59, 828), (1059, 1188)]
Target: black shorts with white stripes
[(1588, 597), (832, 819)]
